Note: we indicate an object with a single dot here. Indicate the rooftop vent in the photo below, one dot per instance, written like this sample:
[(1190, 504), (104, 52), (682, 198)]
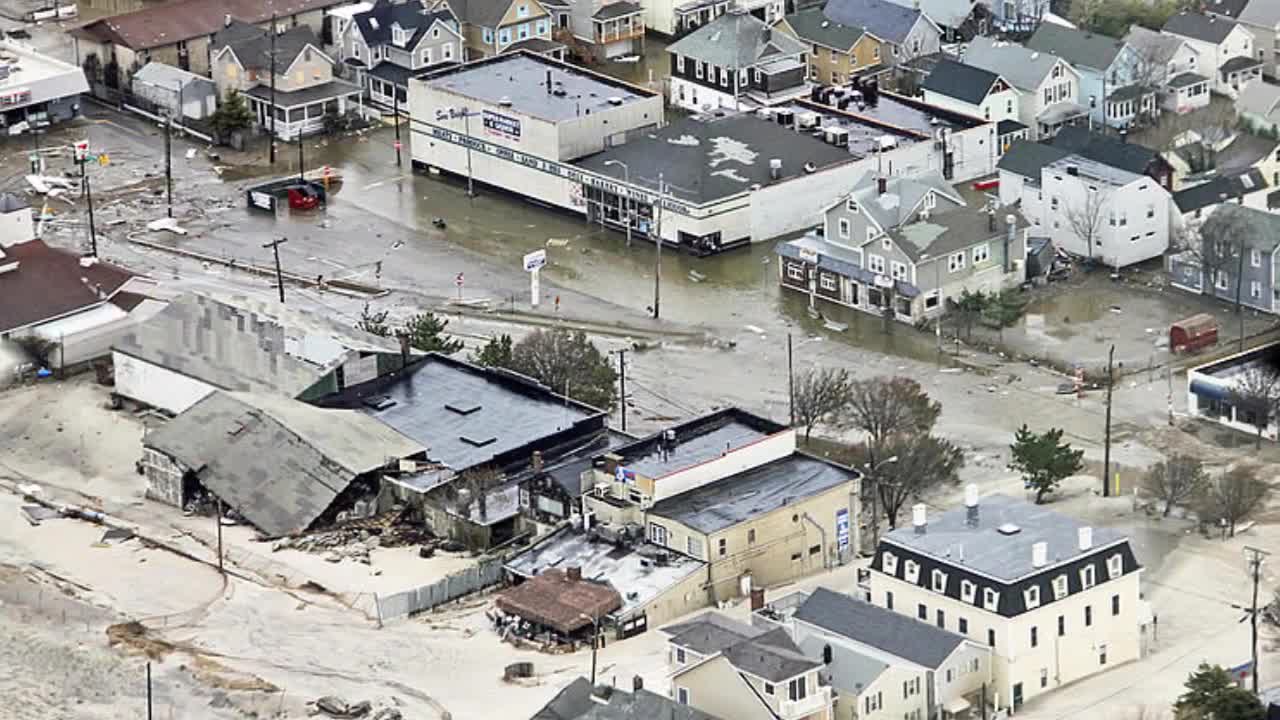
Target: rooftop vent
[(1008, 529), (1085, 537), (615, 100), (477, 441), (504, 101), (463, 407), (378, 402)]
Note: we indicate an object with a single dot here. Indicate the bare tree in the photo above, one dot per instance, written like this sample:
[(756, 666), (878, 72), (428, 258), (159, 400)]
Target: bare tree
[(820, 395), (883, 408), (1176, 480), (1256, 397), (1232, 497), (1084, 219), (470, 498), (925, 462)]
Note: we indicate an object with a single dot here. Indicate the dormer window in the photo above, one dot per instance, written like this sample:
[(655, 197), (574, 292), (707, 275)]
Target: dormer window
[(852, 205), (1032, 597), (968, 591), (1059, 587), (1088, 577), (990, 600), (939, 580), (912, 572), (1115, 566), (930, 200), (399, 35), (889, 563)]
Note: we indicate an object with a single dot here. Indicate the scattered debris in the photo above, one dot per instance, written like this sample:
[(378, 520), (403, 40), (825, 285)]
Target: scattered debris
[(355, 540), (696, 276), (834, 326), (166, 223), (36, 514), (117, 534), (557, 242), (335, 706)]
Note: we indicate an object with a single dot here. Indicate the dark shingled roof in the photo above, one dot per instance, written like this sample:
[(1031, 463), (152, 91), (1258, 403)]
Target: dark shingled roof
[(575, 702), (710, 632), (375, 25), (773, 657), (552, 599), (171, 22), (252, 45), (50, 283), (1105, 149), (892, 632), (1026, 158), (963, 82), (1078, 47), (1208, 28), (813, 26), (613, 10), (482, 13), (1219, 190), (884, 19)]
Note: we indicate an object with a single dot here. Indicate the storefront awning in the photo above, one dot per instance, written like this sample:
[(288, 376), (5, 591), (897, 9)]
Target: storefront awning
[(1209, 389)]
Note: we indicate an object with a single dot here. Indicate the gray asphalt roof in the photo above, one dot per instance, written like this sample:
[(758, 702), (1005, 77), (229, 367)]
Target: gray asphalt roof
[(246, 344), (1249, 226), (902, 195), (1245, 151), (1259, 97), (958, 80), (1105, 149), (989, 551), (884, 19), (1264, 13), (1023, 67), (695, 441), (705, 160), (1153, 46), (306, 96), (1219, 190), (944, 233), (1186, 79), (1208, 28), (1239, 63), (252, 44), (467, 415), (813, 26), (751, 493), (710, 632), (735, 40), (520, 79), (482, 13), (894, 633), (1027, 158), (1078, 47), (280, 463), (575, 702), (849, 670), (169, 77), (772, 656), (948, 13), (620, 8)]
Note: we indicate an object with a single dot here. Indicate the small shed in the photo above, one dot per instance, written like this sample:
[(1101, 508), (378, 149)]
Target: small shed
[(1198, 331), (168, 87), (561, 600)]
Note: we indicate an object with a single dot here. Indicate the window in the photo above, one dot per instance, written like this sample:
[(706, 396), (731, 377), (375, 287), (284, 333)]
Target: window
[(982, 253), (968, 591), (769, 689), (1115, 604), (795, 557), (898, 271), (795, 272), (990, 599), (939, 578), (435, 32), (693, 547), (522, 32), (797, 689), (751, 536), (542, 27), (504, 35), (722, 547), (922, 612), (955, 262), (1087, 577), (679, 656), (871, 233), (448, 51), (888, 599), (657, 534), (1255, 258), (1221, 282), (724, 77), (991, 637), (1059, 587), (682, 695), (886, 244), (875, 264), (852, 205), (1044, 677), (680, 63), (1035, 636), (1053, 203), (962, 626), (426, 56), (889, 563), (1062, 625), (844, 227), (875, 52), (1032, 597), (827, 281), (873, 702), (815, 550), (942, 619), (1088, 616), (1255, 289), (522, 10), (1102, 653), (488, 35), (699, 69), (1115, 566), (912, 572)]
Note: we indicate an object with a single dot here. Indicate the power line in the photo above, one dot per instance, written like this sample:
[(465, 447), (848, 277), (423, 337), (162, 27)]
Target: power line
[(664, 398)]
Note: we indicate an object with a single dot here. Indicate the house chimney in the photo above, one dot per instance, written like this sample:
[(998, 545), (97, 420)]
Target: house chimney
[(920, 518), (1040, 554), (757, 599), (971, 507), (574, 573), (226, 20), (637, 684), (882, 185), (1086, 537)]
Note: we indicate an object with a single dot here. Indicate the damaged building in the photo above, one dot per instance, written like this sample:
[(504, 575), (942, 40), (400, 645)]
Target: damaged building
[(280, 464)]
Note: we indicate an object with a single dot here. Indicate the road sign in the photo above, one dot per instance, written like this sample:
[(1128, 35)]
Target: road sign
[(81, 150), (458, 280), (842, 528), (535, 260)]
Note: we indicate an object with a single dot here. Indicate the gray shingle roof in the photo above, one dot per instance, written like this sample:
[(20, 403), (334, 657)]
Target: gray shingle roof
[(948, 232), (1245, 151), (1152, 46), (877, 627), (1259, 97), (1219, 190), (252, 44), (1208, 28), (617, 9), (280, 463), (481, 13), (813, 26), (902, 195), (1023, 67), (1026, 158), (948, 13), (960, 81), (773, 657), (884, 19), (709, 633), (1078, 47), (574, 702), (1265, 13), (736, 40), (849, 670)]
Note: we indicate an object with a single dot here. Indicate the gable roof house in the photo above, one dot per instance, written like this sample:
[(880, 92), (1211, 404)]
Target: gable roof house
[(736, 61), (492, 27), (979, 93), (1109, 70), (1259, 17), (959, 20), (580, 701), (1238, 250), (733, 670), (838, 53), (180, 33), (392, 41), (286, 79), (598, 30), (1226, 48), (1259, 106), (1171, 65), (1050, 87), (905, 33)]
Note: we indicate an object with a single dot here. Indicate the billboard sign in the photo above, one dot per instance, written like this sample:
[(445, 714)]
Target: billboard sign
[(842, 529), (501, 125)]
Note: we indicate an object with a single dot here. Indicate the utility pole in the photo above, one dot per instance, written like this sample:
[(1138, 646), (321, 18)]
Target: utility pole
[(657, 262), (275, 247), (93, 233), (791, 384), (301, 174), (622, 389), (218, 521), (273, 104), (1256, 558), (168, 160), (395, 113), (1106, 447), (149, 691)]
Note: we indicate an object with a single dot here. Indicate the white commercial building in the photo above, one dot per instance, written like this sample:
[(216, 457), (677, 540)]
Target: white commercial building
[(1211, 390), (36, 88)]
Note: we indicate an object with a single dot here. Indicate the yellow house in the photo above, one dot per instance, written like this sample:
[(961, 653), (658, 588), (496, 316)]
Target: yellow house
[(837, 53), (492, 27)]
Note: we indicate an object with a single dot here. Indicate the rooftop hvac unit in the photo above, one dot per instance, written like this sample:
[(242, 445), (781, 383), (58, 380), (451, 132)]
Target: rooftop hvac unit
[(837, 136), (806, 120), (765, 113), (785, 117)]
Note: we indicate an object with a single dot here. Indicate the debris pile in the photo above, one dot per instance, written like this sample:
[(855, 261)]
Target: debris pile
[(355, 540)]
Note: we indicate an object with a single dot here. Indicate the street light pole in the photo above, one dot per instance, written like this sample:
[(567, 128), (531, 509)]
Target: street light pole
[(275, 247), (626, 180), (395, 113), (622, 386), (873, 474), (657, 261), (273, 99), (595, 642)]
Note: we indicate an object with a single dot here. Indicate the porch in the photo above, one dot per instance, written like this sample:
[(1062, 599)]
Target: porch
[(1186, 93), (301, 112)]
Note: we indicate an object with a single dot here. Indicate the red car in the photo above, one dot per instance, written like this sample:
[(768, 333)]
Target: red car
[(302, 198)]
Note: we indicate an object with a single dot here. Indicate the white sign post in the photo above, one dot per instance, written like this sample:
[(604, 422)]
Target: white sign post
[(533, 262)]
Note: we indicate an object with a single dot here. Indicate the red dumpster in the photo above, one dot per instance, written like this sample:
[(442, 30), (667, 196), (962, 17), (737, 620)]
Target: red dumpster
[(1193, 333)]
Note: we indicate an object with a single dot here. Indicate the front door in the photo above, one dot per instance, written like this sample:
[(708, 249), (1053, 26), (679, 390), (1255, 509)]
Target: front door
[(1017, 696)]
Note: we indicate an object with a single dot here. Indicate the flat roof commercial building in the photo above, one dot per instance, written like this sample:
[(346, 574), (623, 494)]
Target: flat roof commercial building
[(1212, 388), (36, 88)]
